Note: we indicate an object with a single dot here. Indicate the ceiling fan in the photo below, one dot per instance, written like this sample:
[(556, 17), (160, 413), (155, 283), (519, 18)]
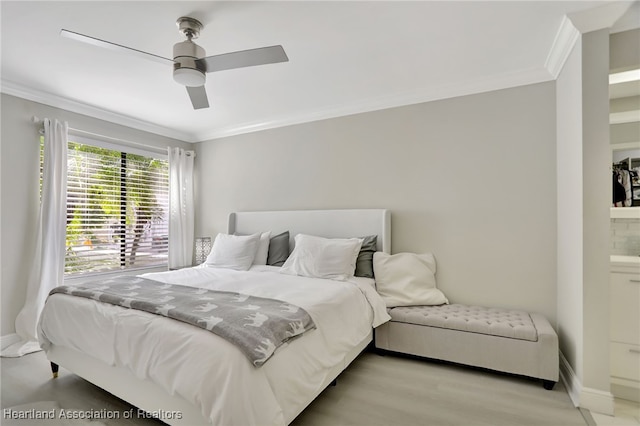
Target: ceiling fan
[(189, 62)]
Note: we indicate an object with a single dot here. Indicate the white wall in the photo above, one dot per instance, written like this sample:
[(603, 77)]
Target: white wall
[(584, 196), (19, 155), (570, 223), (596, 165), (472, 179)]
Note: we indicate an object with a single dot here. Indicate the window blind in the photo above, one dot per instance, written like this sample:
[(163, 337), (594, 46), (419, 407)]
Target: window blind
[(117, 210)]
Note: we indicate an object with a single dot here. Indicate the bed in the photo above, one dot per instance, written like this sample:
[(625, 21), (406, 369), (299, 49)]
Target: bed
[(186, 375)]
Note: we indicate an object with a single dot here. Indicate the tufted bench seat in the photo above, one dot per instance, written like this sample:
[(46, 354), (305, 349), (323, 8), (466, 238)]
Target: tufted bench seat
[(505, 340)]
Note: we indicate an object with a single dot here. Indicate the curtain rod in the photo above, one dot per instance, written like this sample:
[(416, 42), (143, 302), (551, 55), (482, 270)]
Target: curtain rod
[(80, 132)]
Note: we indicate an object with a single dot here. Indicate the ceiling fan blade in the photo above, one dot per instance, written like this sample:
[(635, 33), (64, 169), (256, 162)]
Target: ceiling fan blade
[(113, 46), (245, 58), (198, 96)]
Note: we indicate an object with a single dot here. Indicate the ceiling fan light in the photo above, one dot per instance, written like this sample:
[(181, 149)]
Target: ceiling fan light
[(189, 77)]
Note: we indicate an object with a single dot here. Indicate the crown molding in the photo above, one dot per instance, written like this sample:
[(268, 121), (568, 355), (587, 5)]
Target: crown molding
[(578, 23), (562, 46), (476, 86), (471, 87), (601, 17), (20, 91)]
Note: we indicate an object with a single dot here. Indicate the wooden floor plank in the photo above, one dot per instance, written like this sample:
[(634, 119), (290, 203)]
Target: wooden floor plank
[(375, 390)]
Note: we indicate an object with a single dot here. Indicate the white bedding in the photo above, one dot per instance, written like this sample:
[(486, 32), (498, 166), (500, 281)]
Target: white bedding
[(205, 369)]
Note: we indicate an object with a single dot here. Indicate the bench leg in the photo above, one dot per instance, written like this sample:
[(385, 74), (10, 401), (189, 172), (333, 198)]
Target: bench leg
[(54, 369), (548, 384)]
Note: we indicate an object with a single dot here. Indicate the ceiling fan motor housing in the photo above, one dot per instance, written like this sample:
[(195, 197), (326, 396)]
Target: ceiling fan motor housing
[(187, 70)]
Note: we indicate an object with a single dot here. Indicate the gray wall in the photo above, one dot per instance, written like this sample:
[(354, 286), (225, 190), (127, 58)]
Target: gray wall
[(19, 200), (471, 179), (625, 132), (624, 53)]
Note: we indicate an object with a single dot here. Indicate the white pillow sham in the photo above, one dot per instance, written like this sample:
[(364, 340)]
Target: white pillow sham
[(263, 249), (318, 257), (233, 251), (407, 279)]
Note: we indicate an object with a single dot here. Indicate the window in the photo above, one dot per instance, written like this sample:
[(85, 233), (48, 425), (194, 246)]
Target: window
[(117, 209)]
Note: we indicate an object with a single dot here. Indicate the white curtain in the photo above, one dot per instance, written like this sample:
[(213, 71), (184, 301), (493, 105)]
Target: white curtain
[(181, 207), (47, 270)]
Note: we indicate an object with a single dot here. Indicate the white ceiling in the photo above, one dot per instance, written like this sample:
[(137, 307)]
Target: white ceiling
[(344, 57)]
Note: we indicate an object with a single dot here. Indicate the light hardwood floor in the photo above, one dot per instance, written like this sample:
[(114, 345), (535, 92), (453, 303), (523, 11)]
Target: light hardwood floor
[(374, 390), (627, 413)]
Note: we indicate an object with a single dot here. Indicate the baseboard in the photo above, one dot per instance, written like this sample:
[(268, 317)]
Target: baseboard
[(591, 399), (597, 401), (571, 382), (8, 340), (625, 389)]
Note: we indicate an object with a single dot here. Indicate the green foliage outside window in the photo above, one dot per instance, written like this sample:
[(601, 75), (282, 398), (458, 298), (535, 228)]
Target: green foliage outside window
[(117, 208)]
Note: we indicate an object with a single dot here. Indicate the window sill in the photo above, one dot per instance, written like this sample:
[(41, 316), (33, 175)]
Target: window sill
[(79, 279)]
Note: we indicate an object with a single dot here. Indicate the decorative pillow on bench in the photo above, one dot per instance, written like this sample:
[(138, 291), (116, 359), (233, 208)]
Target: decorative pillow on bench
[(407, 279)]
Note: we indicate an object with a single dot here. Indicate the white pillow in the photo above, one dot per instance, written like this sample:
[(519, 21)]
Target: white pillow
[(317, 257), (407, 279), (263, 249), (233, 251)]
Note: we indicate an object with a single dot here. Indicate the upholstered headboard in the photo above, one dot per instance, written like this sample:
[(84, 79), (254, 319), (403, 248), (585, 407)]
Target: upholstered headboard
[(323, 223)]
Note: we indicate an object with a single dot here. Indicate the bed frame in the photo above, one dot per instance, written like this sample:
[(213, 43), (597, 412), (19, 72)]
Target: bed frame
[(322, 223), (149, 397)]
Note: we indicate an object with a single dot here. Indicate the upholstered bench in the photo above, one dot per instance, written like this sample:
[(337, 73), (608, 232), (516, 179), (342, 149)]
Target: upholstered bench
[(498, 339)]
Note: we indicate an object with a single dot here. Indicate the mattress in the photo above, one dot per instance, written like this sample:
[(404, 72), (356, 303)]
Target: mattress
[(208, 371)]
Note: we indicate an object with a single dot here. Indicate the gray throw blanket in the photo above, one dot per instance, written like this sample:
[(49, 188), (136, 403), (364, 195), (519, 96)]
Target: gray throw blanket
[(257, 326)]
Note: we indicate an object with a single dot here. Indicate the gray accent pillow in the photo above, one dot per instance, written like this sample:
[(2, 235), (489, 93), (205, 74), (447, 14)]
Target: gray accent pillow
[(278, 249), (364, 262)]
